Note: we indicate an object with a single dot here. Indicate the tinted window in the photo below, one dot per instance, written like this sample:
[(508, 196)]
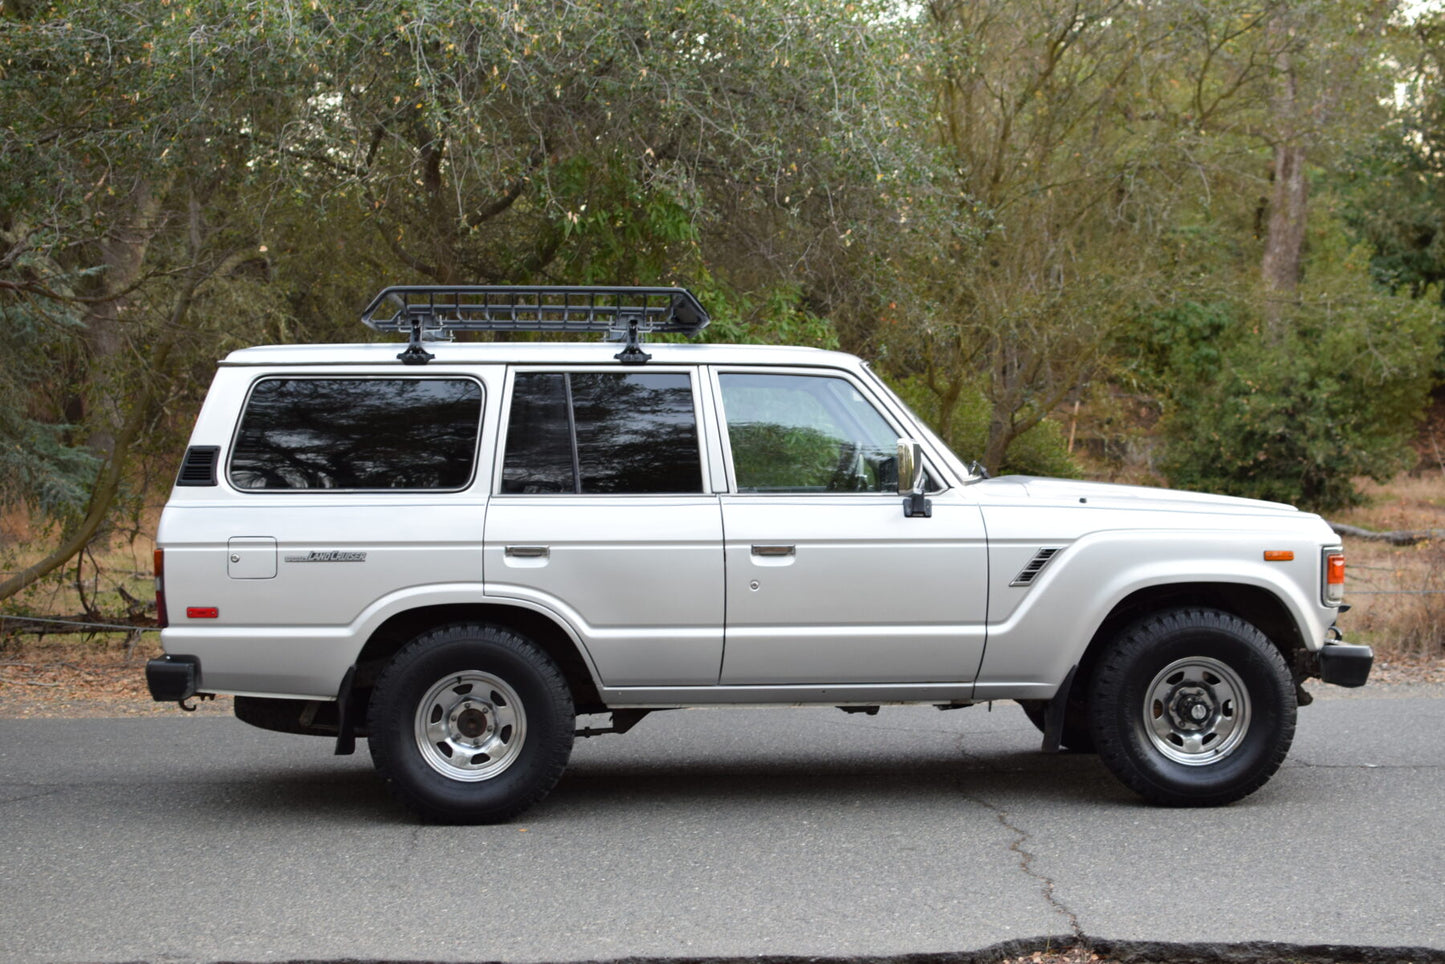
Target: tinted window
[(539, 436), (805, 433), (358, 433), (602, 432)]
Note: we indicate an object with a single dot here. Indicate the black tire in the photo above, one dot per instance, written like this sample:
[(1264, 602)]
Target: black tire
[(1192, 708), (471, 724), (1076, 735)]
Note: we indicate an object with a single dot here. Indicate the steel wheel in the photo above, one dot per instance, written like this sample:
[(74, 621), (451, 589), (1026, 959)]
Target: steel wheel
[(470, 726), (470, 723), (1196, 711), (1192, 707)]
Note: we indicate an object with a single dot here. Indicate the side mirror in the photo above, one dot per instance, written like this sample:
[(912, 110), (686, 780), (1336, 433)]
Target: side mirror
[(911, 479)]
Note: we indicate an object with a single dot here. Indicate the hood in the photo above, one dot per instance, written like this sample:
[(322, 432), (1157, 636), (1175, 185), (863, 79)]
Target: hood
[(1110, 495)]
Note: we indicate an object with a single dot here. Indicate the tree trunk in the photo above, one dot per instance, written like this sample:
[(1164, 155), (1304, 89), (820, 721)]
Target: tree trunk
[(1284, 241), (122, 255), (1285, 234), (1001, 434)]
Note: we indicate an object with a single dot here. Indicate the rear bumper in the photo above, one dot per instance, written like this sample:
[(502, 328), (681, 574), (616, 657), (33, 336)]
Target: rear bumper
[(1344, 664), (173, 679)]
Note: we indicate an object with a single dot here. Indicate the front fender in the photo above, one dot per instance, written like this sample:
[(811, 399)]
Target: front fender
[(1038, 632)]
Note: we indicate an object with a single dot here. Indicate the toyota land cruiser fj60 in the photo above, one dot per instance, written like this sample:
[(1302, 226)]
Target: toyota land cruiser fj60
[(456, 550)]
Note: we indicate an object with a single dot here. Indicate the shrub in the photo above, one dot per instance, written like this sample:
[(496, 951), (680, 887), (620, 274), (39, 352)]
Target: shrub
[(1293, 416)]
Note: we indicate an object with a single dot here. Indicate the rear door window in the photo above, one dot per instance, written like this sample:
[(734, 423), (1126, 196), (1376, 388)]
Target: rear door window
[(619, 433), (358, 434)]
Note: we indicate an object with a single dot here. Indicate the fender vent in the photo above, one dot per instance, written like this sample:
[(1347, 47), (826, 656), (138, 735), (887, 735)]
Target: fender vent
[(199, 465), (1036, 565)]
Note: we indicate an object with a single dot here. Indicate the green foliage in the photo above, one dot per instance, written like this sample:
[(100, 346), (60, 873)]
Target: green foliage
[(1041, 450), (1299, 419), (1180, 343), (42, 469), (772, 456), (1001, 204), (775, 316), (1393, 185), (1395, 202)]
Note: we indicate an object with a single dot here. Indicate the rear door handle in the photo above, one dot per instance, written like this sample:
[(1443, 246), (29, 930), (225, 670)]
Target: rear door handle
[(528, 552), (774, 550)]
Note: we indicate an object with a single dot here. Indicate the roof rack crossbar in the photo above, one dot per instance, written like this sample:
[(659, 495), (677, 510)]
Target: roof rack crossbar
[(434, 312)]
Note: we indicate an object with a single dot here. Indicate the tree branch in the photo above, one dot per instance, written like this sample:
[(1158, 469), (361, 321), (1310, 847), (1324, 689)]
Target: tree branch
[(1395, 537)]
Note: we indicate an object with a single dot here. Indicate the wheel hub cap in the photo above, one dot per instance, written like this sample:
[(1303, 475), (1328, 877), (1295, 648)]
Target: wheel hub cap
[(470, 726), (1196, 711), (471, 721)]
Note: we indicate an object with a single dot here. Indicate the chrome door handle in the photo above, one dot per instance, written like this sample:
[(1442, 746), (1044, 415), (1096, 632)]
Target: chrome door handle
[(771, 550), (528, 552)]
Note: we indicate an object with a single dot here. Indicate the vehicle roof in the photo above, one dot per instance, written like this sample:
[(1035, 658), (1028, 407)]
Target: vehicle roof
[(536, 353)]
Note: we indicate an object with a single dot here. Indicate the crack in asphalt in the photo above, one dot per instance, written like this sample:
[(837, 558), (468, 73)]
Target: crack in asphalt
[(1307, 765), (6, 800), (1026, 864)]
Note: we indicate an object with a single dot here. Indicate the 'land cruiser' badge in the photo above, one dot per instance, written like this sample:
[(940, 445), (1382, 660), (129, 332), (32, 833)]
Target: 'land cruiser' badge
[(330, 555)]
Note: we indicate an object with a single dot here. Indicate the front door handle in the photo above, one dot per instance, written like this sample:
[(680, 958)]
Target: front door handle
[(774, 550), (528, 552)]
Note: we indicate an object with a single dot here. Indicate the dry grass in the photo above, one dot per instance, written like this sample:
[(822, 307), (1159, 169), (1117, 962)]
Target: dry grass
[(64, 669), (1397, 593), (112, 580)]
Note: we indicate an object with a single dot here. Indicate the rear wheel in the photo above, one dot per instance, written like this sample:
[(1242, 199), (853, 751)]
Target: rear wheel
[(471, 724), (1192, 707)]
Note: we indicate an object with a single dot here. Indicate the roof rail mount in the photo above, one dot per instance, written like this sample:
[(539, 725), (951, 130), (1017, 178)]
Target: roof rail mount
[(434, 312)]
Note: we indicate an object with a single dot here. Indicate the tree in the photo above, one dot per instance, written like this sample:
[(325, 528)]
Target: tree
[(126, 206), (1326, 58), (175, 163), (1051, 167), (1394, 186)]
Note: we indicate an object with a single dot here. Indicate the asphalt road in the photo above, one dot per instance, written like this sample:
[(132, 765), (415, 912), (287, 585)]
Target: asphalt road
[(710, 833)]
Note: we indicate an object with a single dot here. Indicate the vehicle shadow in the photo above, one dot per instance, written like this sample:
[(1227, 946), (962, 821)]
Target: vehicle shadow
[(775, 782)]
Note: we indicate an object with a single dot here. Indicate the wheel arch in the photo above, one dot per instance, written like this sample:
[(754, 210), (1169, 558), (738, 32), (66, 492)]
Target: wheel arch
[(540, 628), (1254, 604)]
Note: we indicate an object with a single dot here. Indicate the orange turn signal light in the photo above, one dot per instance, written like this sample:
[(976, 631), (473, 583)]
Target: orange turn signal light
[(1279, 555)]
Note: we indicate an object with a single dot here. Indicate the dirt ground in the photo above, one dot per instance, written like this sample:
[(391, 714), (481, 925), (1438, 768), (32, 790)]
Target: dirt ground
[(64, 676)]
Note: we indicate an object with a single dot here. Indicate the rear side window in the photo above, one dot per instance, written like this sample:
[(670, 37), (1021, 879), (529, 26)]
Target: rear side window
[(602, 433), (358, 433)]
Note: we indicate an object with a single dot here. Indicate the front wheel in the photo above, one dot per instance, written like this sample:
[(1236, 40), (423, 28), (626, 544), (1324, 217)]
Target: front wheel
[(1192, 707), (471, 724)]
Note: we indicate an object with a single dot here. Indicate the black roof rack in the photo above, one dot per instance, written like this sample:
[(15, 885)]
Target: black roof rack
[(433, 312)]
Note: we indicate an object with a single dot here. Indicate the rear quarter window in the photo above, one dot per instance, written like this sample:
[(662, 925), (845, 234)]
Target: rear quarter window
[(358, 434)]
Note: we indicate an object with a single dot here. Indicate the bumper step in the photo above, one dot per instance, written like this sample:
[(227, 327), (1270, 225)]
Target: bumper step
[(173, 679)]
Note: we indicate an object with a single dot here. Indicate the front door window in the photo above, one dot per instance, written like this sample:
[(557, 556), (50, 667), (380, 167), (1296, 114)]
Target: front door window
[(806, 434)]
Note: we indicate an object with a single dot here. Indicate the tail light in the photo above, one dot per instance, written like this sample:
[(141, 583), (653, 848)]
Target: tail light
[(1333, 590), (160, 566)]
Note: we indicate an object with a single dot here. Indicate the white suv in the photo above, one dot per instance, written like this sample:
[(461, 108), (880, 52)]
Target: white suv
[(455, 550)]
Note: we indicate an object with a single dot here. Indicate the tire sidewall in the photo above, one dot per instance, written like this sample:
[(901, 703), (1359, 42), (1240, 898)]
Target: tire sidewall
[(1121, 690), (547, 737)]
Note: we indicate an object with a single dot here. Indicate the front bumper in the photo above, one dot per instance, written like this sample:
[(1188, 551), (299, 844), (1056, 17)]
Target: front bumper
[(1344, 664), (173, 679)]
